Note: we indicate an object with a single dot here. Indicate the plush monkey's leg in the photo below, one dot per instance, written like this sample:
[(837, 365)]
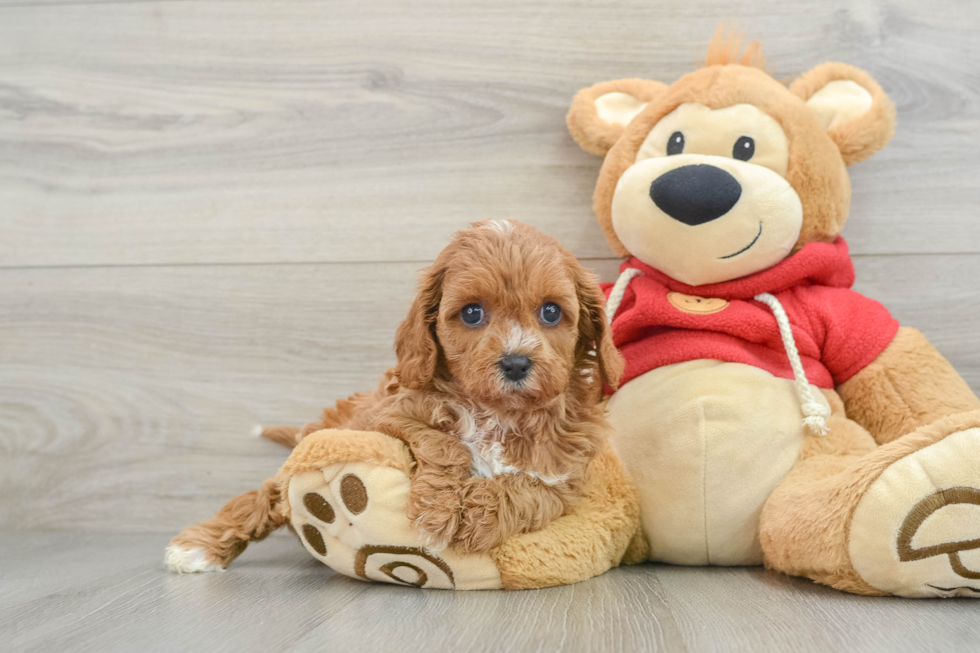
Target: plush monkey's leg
[(803, 527), (600, 534), (849, 514), (213, 544), (908, 386), (346, 495)]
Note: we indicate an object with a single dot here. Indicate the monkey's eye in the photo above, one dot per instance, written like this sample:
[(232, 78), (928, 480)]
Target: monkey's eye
[(551, 313), (472, 315), (675, 144), (744, 148)]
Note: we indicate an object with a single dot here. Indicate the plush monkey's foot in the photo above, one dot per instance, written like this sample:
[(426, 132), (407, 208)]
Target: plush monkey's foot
[(916, 530), (347, 494)]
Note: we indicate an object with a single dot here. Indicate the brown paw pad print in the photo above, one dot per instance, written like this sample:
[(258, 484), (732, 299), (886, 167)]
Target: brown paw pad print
[(411, 566), (353, 494), (314, 539), (913, 526), (319, 507)]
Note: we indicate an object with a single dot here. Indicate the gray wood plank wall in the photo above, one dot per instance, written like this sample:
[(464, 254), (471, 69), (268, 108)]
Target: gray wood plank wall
[(211, 213)]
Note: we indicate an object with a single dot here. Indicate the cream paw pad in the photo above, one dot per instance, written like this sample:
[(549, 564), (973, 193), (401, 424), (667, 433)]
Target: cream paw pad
[(351, 515), (916, 531)]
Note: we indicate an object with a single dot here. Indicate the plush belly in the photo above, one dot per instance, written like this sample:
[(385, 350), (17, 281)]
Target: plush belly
[(706, 442)]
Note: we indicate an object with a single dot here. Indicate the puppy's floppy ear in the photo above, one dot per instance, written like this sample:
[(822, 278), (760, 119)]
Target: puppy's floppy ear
[(599, 113), (593, 329), (415, 341), (850, 104)]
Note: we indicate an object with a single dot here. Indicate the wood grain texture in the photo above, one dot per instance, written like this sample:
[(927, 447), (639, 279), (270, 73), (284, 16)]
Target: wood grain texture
[(748, 609), (204, 132), (118, 597)]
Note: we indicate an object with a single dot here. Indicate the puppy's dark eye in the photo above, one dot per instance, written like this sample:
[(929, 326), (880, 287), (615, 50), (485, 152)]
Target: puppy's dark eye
[(551, 313), (744, 148), (675, 144), (472, 315)]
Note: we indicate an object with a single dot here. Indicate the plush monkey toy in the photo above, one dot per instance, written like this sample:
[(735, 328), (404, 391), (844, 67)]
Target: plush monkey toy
[(769, 413)]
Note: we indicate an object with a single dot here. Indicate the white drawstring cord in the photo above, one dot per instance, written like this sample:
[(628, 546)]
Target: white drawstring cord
[(815, 413), (619, 289)]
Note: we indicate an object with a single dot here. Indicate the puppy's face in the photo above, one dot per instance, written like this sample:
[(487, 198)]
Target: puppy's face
[(508, 321), (513, 318)]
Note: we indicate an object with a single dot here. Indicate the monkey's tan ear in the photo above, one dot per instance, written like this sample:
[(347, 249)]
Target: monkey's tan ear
[(850, 104), (600, 113)]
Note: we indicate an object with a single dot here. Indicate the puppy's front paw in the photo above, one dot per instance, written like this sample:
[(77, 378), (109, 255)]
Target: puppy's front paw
[(435, 513), (189, 561), (481, 529)]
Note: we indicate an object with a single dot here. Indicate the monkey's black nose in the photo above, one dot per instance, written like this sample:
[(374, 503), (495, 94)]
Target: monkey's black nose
[(695, 194), (515, 367)]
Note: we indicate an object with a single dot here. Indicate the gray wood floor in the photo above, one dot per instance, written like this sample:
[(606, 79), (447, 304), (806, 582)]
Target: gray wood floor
[(117, 597), (211, 213)]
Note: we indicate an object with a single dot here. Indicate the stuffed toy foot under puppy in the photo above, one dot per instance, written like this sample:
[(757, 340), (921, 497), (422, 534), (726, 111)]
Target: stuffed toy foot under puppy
[(768, 413), (481, 460)]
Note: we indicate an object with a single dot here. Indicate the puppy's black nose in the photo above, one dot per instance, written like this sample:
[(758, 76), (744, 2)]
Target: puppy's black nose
[(514, 366), (695, 194)]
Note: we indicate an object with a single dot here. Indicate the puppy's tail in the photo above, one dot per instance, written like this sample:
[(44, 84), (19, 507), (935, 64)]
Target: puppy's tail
[(213, 544), (287, 436), (335, 417)]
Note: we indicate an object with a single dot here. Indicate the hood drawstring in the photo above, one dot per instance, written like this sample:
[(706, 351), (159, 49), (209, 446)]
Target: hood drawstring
[(618, 290), (815, 414)]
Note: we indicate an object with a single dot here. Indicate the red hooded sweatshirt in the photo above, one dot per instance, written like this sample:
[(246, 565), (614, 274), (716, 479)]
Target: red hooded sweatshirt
[(838, 332)]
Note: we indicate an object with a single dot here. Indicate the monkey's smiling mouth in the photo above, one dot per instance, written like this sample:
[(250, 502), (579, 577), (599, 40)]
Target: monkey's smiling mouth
[(747, 247)]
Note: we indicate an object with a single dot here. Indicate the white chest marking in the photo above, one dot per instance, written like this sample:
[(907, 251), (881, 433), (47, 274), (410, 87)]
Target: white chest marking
[(484, 437)]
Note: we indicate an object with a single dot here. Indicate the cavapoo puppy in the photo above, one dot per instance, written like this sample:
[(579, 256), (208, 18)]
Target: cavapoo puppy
[(496, 391)]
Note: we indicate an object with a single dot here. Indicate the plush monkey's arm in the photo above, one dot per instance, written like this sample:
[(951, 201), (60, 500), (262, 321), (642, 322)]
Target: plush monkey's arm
[(909, 385)]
